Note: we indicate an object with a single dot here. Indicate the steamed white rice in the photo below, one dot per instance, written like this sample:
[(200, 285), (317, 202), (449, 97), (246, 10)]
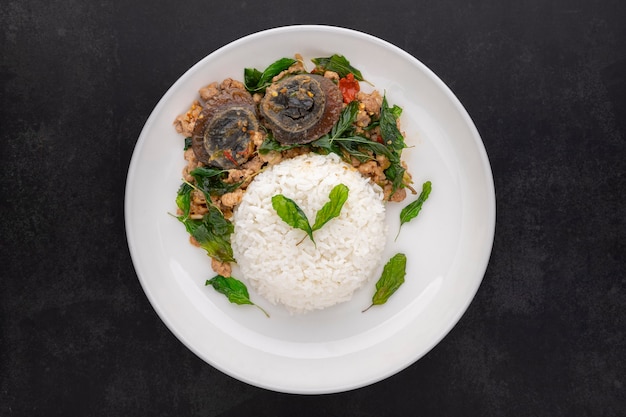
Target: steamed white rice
[(349, 248)]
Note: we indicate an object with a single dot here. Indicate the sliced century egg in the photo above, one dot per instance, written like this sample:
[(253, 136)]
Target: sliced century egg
[(299, 109), (222, 136)]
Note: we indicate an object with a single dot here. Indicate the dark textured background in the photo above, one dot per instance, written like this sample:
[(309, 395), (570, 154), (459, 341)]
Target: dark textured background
[(545, 82)]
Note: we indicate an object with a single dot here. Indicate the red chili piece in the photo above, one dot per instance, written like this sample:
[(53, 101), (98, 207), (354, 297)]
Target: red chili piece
[(229, 156), (349, 87)]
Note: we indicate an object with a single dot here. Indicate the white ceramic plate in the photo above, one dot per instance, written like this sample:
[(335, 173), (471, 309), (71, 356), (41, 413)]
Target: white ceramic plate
[(448, 245)]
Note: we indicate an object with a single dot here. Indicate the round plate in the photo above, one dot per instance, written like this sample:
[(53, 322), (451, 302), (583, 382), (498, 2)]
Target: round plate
[(448, 245)]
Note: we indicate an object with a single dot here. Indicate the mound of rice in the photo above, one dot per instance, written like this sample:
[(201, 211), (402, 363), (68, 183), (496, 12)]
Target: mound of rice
[(349, 248)]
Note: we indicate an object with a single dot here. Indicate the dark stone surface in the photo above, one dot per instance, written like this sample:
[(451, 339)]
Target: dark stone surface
[(545, 83)]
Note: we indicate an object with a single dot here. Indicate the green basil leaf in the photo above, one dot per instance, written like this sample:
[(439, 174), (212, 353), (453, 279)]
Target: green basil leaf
[(211, 181), (395, 173), (346, 119), (337, 197), (338, 64), (392, 136), (188, 143), (255, 80), (251, 77), (396, 111), (353, 143), (212, 233), (325, 145), (183, 199), (206, 172), (292, 214), (411, 211), (235, 290), (394, 140), (219, 224), (343, 125), (390, 280), (271, 144)]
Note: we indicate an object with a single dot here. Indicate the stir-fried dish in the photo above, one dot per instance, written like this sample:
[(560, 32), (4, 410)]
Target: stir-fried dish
[(236, 129)]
